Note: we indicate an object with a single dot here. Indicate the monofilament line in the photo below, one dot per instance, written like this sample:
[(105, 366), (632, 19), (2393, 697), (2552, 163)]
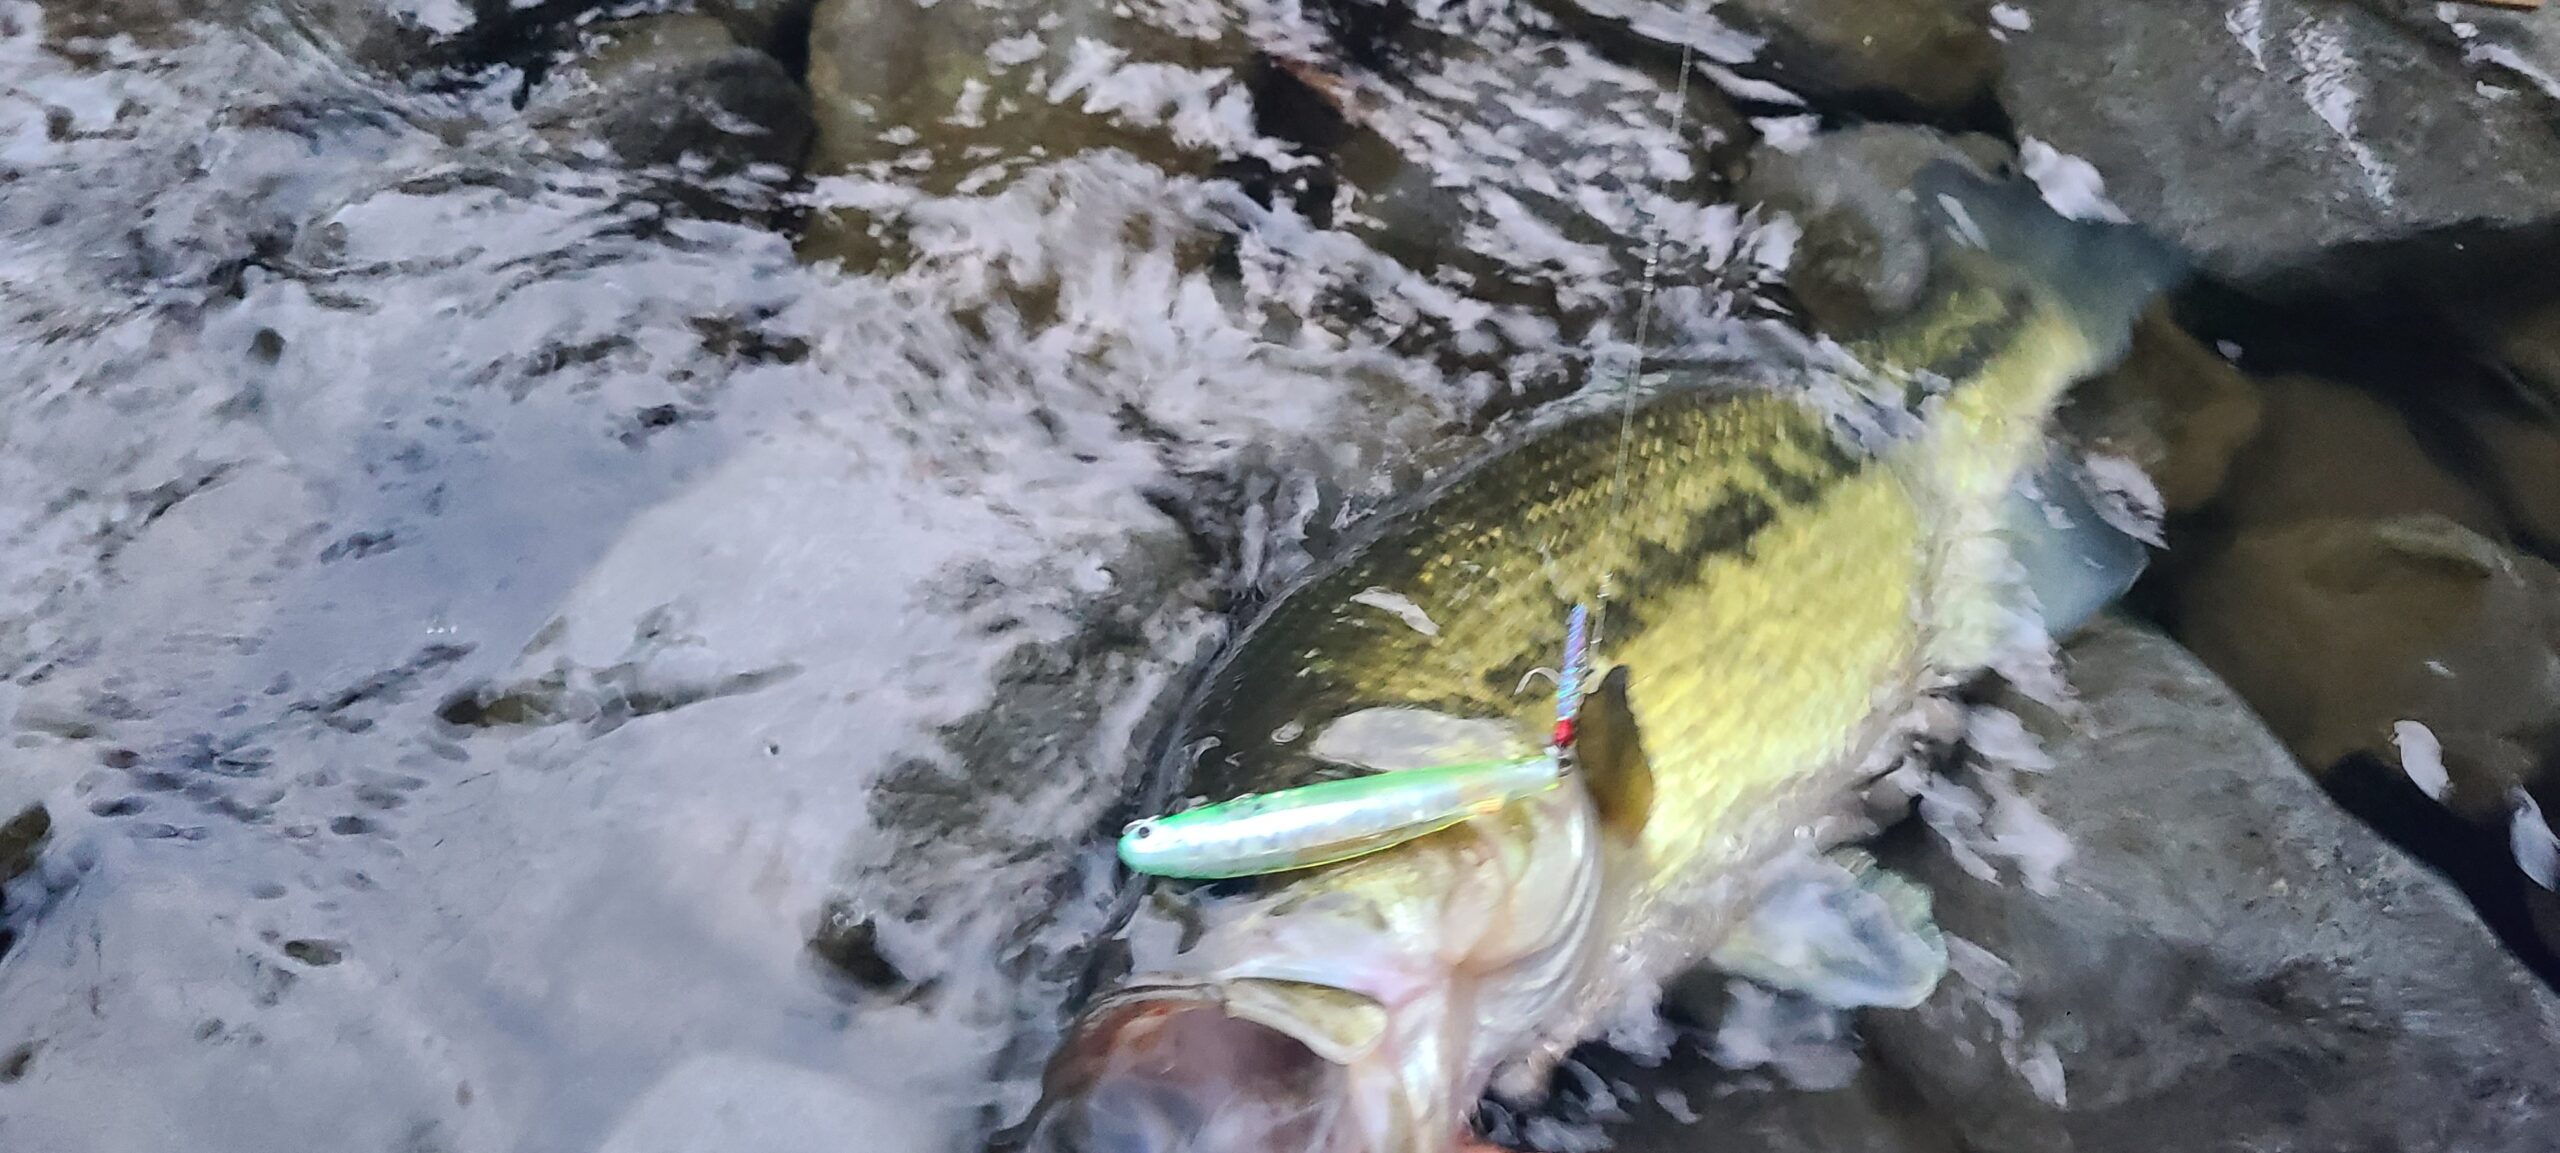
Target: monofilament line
[(1644, 330)]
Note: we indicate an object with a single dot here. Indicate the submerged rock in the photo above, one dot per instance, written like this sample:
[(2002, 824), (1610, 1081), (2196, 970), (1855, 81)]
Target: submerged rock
[(2325, 123), (2227, 961), (2529, 345), (2330, 450), (2173, 406), (941, 99), (1933, 59), (680, 89), (2337, 630), (2522, 457), (1863, 257), (1936, 54)]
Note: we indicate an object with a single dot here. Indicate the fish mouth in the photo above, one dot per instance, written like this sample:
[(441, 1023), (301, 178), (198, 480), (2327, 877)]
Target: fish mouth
[(1238, 1066)]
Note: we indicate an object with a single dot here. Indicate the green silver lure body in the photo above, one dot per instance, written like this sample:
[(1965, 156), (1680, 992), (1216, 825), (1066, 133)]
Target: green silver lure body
[(1319, 824)]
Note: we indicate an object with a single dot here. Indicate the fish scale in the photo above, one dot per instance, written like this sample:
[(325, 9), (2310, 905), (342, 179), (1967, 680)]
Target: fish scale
[(1494, 560)]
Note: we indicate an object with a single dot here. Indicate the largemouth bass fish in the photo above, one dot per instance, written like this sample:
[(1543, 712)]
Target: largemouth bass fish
[(1776, 602)]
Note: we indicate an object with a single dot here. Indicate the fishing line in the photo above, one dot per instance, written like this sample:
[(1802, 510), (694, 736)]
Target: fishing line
[(1635, 373)]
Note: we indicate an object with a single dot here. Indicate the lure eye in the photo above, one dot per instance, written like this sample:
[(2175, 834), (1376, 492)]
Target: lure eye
[(1143, 830)]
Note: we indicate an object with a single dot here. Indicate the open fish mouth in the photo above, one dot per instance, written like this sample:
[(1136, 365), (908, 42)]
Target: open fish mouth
[(1243, 1066)]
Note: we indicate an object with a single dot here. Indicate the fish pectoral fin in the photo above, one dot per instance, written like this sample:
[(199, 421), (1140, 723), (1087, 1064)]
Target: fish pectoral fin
[(1843, 931), (1610, 753)]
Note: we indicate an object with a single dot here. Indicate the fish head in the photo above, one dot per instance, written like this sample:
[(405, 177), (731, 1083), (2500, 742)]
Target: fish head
[(1181, 1071)]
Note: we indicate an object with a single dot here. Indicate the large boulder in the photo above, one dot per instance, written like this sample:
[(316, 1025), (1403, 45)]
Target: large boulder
[(2227, 961), (2316, 124)]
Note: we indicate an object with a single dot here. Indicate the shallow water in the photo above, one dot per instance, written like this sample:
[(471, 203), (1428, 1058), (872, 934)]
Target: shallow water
[(469, 622)]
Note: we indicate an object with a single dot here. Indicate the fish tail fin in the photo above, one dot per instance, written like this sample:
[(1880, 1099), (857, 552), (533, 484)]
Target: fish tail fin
[(2024, 304), (2098, 274)]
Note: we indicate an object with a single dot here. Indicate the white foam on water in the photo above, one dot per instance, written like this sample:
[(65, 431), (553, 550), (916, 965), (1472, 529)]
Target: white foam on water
[(2422, 758), (2128, 500), (2332, 81), (2247, 23), (1989, 985), (2070, 185), (2536, 847)]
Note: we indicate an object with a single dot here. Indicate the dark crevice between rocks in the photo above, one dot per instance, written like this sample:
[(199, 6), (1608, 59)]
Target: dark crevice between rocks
[(2424, 342), (790, 43), (2414, 324), (2476, 860)]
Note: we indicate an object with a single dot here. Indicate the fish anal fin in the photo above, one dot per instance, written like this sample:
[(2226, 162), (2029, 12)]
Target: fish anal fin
[(1610, 752)]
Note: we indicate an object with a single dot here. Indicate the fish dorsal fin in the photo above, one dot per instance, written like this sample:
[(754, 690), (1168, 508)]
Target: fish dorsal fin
[(1610, 753)]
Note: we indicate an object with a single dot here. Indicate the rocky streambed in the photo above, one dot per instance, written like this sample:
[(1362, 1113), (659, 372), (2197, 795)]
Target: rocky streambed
[(584, 576)]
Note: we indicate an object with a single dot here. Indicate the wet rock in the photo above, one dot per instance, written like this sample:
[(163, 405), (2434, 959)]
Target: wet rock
[(765, 25), (1914, 59), (2326, 124), (2228, 961), (1936, 54), (2325, 449), (2530, 346), (2336, 630), (1710, 1108), (19, 841), (664, 90), (2173, 406), (962, 98), (316, 954), (389, 37), (1863, 256), (2522, 456)]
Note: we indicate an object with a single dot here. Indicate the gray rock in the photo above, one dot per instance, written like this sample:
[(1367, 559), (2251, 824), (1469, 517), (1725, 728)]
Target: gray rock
[(661, 89), (2229, 961), (1863, 257), (2315, 124)]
